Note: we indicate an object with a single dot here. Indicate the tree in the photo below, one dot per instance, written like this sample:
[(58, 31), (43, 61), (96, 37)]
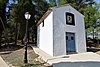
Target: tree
[(77, 4), (91, 13), (39, 8), (3, 20), (17, 13)]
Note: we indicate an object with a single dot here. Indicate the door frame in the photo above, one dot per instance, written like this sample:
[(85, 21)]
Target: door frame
[(68, 52)]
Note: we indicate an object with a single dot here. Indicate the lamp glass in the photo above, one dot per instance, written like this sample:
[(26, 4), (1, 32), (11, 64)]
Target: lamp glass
[(27, 15)]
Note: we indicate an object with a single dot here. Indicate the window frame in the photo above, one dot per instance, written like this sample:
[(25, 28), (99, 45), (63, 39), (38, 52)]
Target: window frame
[(73, 18)]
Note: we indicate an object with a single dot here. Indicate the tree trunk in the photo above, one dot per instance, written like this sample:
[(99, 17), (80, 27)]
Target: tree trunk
[(16, 32), (0, 38), (22, 41)]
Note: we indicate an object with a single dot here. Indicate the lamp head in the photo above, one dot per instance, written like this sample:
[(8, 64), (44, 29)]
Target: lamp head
[(27, 15)]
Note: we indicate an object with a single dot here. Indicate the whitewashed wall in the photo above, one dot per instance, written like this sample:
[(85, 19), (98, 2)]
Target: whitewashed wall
[(60, 29), (45, 35)]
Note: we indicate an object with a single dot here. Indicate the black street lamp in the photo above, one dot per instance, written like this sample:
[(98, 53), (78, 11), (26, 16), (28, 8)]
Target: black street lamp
[(27, 17)]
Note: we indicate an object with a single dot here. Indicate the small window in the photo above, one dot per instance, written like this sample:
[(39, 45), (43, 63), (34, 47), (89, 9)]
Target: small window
[(70, 19), (72, 38), (43, 23), (66, 37)]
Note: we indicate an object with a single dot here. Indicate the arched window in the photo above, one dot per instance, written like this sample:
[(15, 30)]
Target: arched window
[(70, 19)]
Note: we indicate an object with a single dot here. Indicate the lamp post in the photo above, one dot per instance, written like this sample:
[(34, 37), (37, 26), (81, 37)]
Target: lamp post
[(27, 17)]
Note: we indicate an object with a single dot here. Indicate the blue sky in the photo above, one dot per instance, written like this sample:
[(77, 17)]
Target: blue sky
[(98, 1)]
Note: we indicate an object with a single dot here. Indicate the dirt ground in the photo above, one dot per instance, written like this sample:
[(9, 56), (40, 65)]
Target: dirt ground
[(95, 50), (15, 57), (98, 52)]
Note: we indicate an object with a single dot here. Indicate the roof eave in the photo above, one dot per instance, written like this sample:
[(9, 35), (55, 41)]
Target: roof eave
[(43, 17)]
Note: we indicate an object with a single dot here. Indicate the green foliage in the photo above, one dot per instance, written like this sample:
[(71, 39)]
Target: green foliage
[(41, 6), (77, 4), (91, 13), (3, 4), (2, 13), (17, 11), (17, 14)]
